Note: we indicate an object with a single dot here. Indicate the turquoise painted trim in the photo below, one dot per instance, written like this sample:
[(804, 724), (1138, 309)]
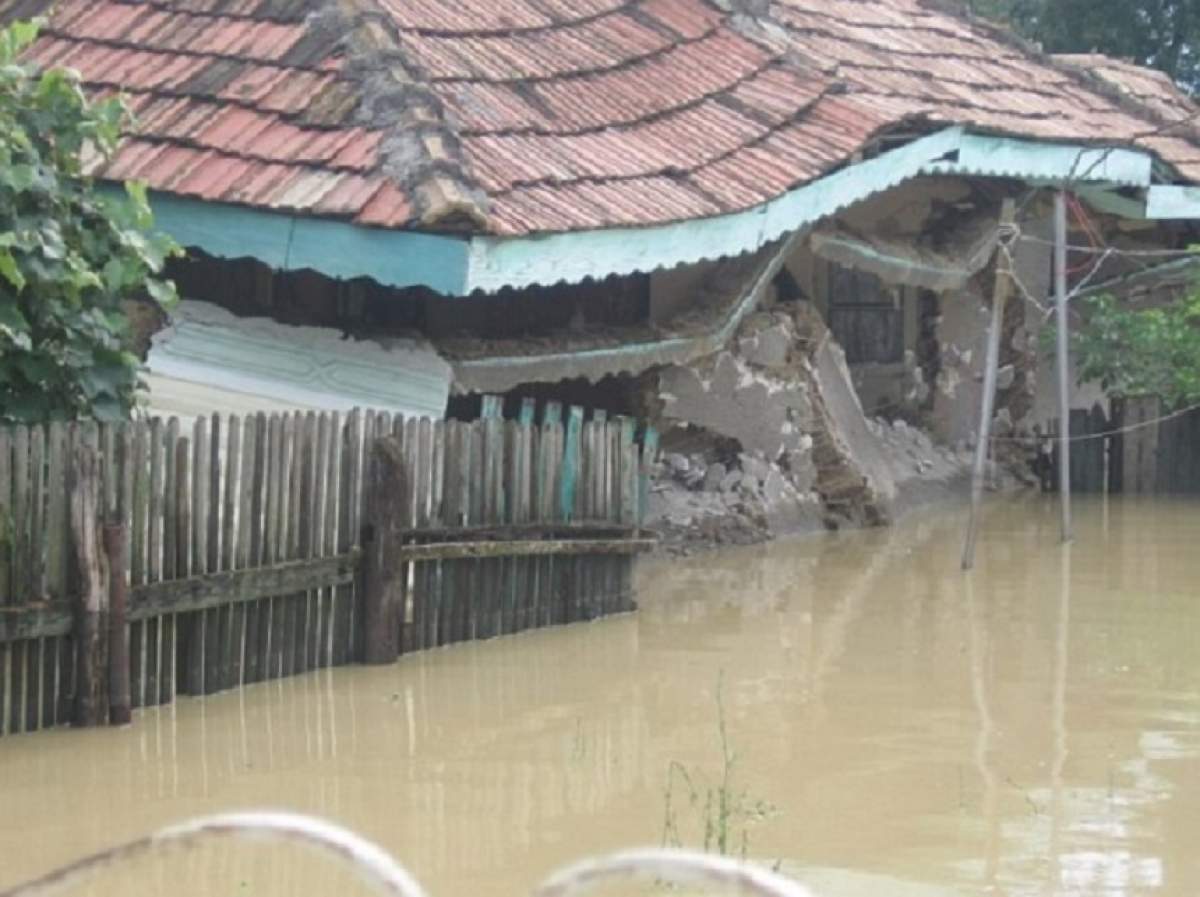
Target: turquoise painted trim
[(673, 350), (457, 266), (334, 248), (552, 414), (571, 257), (570, 464), (649, 459), (492, 407), (983, 155), (1114, 203), (1168, 202)]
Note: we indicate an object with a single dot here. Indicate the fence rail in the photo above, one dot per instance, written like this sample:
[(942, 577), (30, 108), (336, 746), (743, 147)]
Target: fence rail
[(268, 546)]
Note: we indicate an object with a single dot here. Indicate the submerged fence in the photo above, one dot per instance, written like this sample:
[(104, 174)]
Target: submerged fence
[(139, 561), (1144, 448)]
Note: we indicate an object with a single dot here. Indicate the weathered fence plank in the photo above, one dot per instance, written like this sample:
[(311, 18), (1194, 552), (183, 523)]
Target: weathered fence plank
[(383, 584), (204, 592), (91, 695), (120, 710), (215, 622), (232, 617)]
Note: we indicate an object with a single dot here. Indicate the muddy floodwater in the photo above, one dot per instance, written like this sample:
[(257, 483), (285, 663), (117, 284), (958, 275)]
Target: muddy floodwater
[(1030, 729)]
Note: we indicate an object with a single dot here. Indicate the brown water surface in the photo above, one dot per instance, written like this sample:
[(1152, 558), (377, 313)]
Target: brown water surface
[(1030, 729)]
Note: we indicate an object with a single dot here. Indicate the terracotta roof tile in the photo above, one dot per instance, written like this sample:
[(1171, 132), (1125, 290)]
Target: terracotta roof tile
[(564, 114), (388, 207)]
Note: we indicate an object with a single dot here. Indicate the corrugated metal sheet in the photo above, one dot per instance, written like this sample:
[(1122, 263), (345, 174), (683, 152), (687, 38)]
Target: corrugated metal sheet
[(1006, 157), (208, 352)]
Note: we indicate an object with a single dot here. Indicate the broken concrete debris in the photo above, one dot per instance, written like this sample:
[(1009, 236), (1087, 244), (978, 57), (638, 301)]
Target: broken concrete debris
[(767, 438)]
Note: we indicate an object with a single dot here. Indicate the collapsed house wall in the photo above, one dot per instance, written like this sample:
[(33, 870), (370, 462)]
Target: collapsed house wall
[(768, 437), (903, 280), (810, 445)]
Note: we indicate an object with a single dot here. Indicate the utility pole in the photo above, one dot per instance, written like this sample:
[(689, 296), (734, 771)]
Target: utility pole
[(1000, 293), (1063, 361)]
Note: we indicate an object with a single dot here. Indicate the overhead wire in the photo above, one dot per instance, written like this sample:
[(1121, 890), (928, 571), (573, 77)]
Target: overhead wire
[(1180, 412), (1124, 253)]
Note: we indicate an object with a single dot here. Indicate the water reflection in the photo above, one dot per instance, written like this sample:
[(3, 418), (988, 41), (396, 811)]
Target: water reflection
[(1030, 729)]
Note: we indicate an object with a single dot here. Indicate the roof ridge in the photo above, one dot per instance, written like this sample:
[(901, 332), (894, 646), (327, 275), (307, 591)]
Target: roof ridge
[(420, 151)]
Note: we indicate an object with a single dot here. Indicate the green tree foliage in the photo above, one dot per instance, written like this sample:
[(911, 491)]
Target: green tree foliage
[(1141, 351), (70, 256), (1163, 34)]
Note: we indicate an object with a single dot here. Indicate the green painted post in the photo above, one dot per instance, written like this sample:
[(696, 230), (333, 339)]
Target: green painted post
[(627, 490), (649, 455), (528, 412), (492, 407), (570, 465)]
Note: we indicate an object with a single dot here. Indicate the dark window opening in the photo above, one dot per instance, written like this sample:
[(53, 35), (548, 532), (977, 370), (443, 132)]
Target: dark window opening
[(866, 316)]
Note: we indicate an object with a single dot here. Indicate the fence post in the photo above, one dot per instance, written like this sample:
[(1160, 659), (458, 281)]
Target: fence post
[(119, 710), (92, 601), (649, 459), (384, 575), (568, 484)]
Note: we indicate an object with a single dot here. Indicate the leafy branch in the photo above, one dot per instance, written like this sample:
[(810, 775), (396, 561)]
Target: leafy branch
[(71, 256), (1141, 351)]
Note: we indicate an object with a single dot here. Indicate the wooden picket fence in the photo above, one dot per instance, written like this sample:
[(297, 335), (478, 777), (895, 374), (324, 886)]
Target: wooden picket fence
[(252, 549)]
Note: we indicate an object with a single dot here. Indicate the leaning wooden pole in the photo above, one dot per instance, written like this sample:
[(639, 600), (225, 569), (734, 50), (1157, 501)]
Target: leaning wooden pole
[(1063, 362), (91, 691), (1000, 293)]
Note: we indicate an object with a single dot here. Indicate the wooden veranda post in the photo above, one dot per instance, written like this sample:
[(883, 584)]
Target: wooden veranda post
[(384, 580), (1062, 362), (91, 690), (1000, 293)]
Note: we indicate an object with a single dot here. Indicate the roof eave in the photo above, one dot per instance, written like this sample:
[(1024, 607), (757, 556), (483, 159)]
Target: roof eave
[(457, 265)]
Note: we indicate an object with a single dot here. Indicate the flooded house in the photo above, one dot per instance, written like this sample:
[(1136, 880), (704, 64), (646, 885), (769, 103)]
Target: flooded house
[(771, 229)]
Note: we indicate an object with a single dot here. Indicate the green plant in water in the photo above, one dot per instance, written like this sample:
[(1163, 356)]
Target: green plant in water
[(724, 812)]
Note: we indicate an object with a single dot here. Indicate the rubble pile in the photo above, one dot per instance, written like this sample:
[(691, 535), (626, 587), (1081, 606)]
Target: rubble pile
[(767, 438)]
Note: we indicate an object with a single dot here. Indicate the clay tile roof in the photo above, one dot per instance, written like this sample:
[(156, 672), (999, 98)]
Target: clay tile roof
[(523, 116), (1149, 86)]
